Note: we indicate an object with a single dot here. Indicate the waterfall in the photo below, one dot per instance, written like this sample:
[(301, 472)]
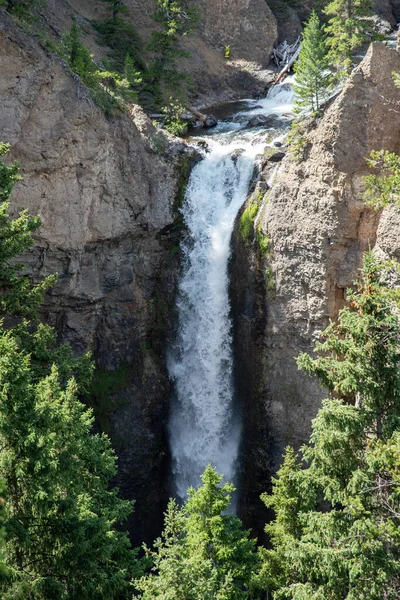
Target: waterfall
[(203, 426)]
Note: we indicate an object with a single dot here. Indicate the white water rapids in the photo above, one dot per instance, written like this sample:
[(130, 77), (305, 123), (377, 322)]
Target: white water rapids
[(203, 425)]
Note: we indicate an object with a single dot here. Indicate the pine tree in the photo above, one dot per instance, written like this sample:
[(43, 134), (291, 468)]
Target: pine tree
[(203, 552), (313, 77), (348, 27), (79, 57), (177, 18), (336, 534), (132, 76), (17, 296), (117, 7), (61, 539), (2, 529), (383, 188)]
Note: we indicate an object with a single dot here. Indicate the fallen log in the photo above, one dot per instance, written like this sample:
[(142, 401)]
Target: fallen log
[(200, 116), (288, 66), (283, 53)]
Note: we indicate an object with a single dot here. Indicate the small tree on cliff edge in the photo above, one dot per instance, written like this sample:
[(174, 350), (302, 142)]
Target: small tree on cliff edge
[(347, 28), (313, 75), (383, 186), (61, 542), (336, 534)]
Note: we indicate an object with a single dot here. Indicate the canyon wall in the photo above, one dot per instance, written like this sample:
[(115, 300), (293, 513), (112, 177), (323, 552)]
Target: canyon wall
[(318, 228), (247, 26), (107, 190)]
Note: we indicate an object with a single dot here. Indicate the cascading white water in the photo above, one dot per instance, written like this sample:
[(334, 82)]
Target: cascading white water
[(203, 427)]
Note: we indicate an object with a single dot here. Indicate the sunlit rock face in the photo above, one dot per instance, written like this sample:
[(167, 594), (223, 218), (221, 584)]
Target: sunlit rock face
[(247, 26), (318, 228)]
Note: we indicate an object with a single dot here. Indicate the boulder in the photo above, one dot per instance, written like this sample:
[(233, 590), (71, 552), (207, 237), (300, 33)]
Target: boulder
[(247, 26), (236, 153), (289, 25), (272, 121), (210, 121), (277, 157)]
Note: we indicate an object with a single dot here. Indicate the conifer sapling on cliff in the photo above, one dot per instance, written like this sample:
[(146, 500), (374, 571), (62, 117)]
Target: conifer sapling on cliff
[(313, 76)]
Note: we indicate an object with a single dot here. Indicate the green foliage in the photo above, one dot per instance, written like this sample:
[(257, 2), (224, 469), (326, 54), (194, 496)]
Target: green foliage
[(227, 52), (60, 522), (17, 296), (336, 534), (177, 18), (109, 90), (297, 140), (203, 552), (8, 174), (131, 75), (173, 122), (79, 57), (383, 189), (158, 143), (122, 40), (23, 9), (247, 218), (2, 528), (365, 338), (262, 242), (348, 27), (61, 540), (313, 77)]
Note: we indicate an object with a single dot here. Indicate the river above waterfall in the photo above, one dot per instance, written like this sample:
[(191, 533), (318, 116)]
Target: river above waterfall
[(204, 425)]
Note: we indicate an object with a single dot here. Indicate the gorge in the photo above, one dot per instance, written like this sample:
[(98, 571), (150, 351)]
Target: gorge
[(204, 425), (199, 343)]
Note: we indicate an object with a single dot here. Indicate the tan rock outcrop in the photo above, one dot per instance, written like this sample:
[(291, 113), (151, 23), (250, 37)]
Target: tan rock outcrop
[(319, 227), (247, 26)]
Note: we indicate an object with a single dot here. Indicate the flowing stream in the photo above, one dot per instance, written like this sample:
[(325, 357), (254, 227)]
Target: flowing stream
[(203, 425)]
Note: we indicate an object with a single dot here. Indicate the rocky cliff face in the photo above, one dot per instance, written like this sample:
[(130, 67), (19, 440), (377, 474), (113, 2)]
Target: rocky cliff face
[(318, 227), (107, 191), (250, 29), (248, 26)]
